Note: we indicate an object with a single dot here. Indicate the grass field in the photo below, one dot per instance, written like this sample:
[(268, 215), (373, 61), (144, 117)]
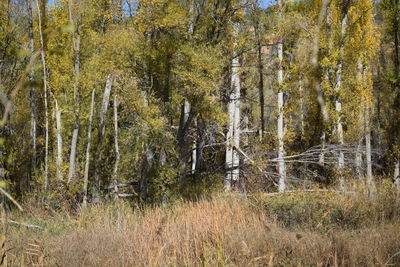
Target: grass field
[(318, 228)]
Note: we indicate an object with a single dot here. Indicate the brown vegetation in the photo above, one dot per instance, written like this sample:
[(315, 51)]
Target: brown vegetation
[(226, 230)]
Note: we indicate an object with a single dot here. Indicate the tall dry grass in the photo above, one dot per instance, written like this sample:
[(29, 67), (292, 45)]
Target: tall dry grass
[(224, 231)]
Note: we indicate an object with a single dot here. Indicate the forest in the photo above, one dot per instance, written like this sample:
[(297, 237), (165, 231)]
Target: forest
[(200, 132)]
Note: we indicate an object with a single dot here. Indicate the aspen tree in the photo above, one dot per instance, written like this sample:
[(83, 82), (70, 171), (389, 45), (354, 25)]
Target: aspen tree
[(89, 141), (45, 92), (338, 88), (32, 90), (76, 40), (281, 142), (232, 160)]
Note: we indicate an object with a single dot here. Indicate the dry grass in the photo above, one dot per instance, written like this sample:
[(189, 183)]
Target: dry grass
[(225, 231)]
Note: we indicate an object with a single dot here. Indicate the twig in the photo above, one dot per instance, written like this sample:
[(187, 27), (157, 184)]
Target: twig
[(254, 164), (394, 255), (4, 192), (23, 224), (19, 85)]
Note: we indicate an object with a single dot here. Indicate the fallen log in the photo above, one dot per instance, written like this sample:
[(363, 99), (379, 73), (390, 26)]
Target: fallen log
[(22, 224)]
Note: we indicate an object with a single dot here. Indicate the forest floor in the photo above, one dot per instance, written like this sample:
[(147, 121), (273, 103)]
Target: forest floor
[(321, 228)]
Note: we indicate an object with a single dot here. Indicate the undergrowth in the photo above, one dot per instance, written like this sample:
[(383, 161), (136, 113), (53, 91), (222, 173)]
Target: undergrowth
[(296, 229)]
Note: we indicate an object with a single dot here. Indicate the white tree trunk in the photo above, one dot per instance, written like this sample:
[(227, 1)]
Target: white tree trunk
[(182, 135), (232, 159), (370, 181), (102, 127), (194, 153), (321, 159), (105, 104), (358, 155), (72, 155), (46, 109), (338, 103), (75, 131), (358, 160), (194, 156), (89, 139), (302, 109), (32, 90), (59, 161), (116, 144), (281, 148), (281, 144), (397, 175)]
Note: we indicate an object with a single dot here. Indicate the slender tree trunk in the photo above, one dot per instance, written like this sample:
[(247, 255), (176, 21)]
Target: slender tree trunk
[(102, 128), (370, 180), (396, 175), (200, 142), (194, 156), (233, 136), (194, 153), (59, 161), (396, 51), (358, 154), (89, 140), (75, 132), (327, 72), (46, 109), (281, 144), (338, 87), (186, 117), (302, 108), (32, 91), (321, 159), (397, 92), (358, 160), (72, 156), (146, 170), (116, 144), (260, 82)]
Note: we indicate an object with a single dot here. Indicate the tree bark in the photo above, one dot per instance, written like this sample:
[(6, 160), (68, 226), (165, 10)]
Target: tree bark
[(200, 143), (321, 159), (76, 49), (185, 119), (46, 110), (89, 139), (59, 161), (396, 175), (116, 144), (101, 129), (281, 144), (358, 160), (232, 159), (260, 81), (338, 87), (32, 91), (302, 108), (370, 180)]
